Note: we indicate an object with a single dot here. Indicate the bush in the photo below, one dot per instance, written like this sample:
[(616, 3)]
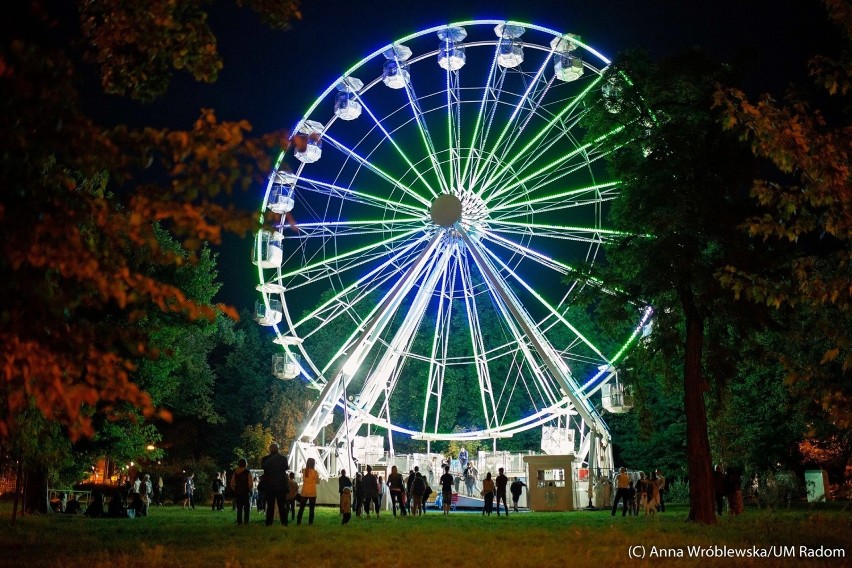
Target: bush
[(677, 492)]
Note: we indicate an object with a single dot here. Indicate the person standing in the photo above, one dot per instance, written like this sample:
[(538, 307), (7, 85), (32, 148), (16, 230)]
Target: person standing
[(622, 483), (516, 489), (217, 487), (488, 490), (427, 491), (159, 490), (275, 486), (418, 487), (358, 493), (188, 490), (502, 483), (145, 494), (719, 488), (371, 492), (661, 485), (242, 484), (396, 487), (381, 492), (310, 479), (342, 483), (346, 504), (463, 458), (446, 489)]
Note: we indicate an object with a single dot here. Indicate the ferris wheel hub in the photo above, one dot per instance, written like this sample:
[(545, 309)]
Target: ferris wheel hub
[(446, 210)]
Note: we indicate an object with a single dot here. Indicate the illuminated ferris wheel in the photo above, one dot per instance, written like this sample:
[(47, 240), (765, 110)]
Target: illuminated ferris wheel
[(445, 197)]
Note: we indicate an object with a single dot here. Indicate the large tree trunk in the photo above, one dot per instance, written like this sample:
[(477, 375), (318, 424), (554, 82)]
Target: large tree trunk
[(697, 444)]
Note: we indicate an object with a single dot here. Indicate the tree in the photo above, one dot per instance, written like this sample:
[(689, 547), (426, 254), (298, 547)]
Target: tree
[(681, 203), (806, 199), (77, 196), (254, 445)]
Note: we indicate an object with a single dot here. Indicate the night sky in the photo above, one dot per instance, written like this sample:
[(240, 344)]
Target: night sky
[(271, 77)]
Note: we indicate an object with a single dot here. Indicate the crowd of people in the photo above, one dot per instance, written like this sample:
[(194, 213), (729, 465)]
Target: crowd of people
[(274, 486), (646, 494)]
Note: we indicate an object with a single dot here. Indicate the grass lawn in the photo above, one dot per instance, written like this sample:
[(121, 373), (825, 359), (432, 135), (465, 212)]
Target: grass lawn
[(171, 536)]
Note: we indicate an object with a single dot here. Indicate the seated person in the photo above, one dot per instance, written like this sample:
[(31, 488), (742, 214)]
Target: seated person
[(116, 507), (137, 506), (72, 507), (96, 506)]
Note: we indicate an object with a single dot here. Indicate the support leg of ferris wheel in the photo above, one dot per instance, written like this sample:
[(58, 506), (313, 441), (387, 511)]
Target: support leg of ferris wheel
[(332, 394), (567, 383)]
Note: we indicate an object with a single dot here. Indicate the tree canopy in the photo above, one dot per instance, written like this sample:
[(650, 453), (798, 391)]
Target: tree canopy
[(78, 197)]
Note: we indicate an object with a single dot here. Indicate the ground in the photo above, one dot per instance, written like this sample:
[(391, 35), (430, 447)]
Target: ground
[(171, 536)]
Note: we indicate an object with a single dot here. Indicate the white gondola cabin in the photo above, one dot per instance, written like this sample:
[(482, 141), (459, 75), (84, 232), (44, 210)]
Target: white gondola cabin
[(616, 398), (268, 251), (285, 366), (268, 313)]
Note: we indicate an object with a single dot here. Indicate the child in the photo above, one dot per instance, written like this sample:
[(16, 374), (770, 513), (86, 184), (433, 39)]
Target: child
[(346, 504), (292, 495), (631, 499)]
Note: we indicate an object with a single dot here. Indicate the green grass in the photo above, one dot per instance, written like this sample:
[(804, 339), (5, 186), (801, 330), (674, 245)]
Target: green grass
[(171, 536)]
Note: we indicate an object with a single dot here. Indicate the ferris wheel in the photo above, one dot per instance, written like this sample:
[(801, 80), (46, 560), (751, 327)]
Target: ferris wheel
[(445, 196)]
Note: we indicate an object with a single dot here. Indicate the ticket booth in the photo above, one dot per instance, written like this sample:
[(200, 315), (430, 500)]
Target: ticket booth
[(550, 486)]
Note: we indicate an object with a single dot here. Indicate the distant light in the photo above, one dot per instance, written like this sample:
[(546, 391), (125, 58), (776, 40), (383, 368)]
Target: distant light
[(150, 447)]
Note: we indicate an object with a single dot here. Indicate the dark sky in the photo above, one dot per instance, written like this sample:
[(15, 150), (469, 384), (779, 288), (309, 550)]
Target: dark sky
[(271, 77)]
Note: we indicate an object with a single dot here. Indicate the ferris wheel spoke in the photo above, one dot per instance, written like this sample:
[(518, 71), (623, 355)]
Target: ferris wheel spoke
[(356, 196), (378, 377), (551, 310), (454, 127), (582, 156), (546, 389), (425, 136), (365, 285), (473, 155), (528, 100), (489, 407), (569, 198), (337, 229), (440, 345), (539, 230), (375, 169), (396, 146), (326, 265), (529, 152)]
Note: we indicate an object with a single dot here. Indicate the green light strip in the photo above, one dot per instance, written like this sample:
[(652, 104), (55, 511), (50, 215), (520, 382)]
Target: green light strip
[(395, 145), (377, 170), (517, 109), (541, 133), (554, 163), (555, 197), (325, 262), (359, 282), (481, 112), (544, 302), (424, 133), (558, 228), (343, 191)]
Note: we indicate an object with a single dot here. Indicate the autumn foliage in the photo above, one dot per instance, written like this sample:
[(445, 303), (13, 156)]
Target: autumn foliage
[(807, 207), (79, 197)]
